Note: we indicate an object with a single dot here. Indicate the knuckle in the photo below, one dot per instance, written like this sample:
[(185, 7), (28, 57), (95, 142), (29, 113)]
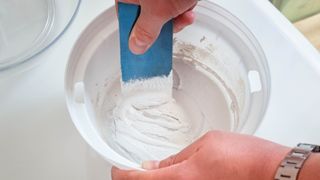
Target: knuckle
[(143, 34), (176, 7), (171, 161)]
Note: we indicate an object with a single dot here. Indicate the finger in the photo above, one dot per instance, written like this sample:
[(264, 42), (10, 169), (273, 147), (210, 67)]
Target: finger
[(150, 165), (183, 20), (145, 32), (182, 156), (129, 1), (185, 154), (168, 173)]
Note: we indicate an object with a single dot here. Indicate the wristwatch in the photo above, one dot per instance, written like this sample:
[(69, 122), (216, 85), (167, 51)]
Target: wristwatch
[(290, 167)]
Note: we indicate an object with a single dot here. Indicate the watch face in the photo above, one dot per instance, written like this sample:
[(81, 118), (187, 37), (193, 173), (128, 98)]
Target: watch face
[(313, 148), (316, 149)]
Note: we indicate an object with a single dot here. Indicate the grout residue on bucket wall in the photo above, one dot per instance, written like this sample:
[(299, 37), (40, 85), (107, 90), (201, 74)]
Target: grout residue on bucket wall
[(202, 102)]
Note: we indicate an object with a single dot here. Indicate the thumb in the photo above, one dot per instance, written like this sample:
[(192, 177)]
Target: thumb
[(145, 32), (171, 168), (181, 157)]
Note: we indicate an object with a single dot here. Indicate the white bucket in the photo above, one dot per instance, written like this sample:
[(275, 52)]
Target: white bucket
[(230, 82)]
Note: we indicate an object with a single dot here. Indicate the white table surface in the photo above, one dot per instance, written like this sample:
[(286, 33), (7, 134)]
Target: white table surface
[(37, 137), (39, 142)]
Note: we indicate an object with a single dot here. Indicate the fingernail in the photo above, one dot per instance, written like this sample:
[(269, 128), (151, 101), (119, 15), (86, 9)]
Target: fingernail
[(149, 165), (138, 46)]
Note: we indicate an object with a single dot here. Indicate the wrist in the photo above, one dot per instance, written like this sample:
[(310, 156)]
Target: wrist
[(274, 160), (265, 167), (310, 169)]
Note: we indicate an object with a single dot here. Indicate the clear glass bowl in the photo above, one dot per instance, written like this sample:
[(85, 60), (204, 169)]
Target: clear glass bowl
[(27, 27)]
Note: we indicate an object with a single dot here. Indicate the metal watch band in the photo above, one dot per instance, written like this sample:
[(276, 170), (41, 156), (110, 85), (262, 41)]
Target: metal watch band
[(290, 167)]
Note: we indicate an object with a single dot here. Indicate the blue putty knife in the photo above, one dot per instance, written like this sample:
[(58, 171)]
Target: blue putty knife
[(157, 61)]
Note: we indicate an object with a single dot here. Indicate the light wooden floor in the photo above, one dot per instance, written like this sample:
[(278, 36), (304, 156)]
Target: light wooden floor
[(310, 27)]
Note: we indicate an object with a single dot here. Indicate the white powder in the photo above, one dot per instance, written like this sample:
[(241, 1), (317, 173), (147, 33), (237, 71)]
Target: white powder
[(148, 123)]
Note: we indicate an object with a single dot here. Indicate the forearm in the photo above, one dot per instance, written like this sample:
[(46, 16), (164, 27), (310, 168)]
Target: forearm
[(311, 168)]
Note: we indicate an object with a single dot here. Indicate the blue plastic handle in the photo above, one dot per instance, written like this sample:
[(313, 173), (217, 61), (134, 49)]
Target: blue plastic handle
[(157, 61)]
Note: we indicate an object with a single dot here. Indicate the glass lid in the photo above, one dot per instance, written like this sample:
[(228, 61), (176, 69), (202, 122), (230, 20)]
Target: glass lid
[(27, 27)]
